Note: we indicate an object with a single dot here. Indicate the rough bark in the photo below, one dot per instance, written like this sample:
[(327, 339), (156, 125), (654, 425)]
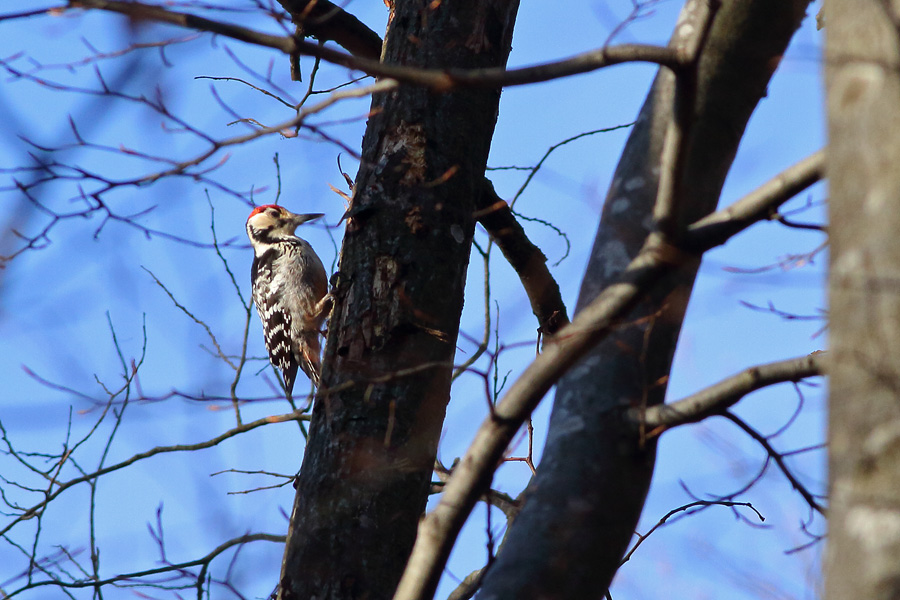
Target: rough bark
[(569, 545), (399, 294), (863, 97)]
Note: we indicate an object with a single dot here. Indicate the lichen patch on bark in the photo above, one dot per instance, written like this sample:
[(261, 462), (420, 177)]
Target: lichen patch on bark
[(408, 141)]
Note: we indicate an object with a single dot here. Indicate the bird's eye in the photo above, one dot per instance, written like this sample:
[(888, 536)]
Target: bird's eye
[(273, 212)]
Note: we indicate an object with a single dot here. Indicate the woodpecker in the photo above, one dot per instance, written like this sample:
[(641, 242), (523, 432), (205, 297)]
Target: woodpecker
[(289, 290)]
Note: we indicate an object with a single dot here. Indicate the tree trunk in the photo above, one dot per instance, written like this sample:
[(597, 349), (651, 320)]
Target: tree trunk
[(862, 72), (399, 293), (583, 506)]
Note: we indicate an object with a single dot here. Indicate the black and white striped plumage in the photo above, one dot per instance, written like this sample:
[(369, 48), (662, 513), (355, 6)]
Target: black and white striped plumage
[(289, 290)]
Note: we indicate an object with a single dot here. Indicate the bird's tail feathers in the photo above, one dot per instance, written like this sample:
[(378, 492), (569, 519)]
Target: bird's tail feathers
[(309, 357)]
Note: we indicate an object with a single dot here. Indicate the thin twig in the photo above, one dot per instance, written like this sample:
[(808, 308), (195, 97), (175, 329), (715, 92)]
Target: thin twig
[(29, 512), (779, 460)]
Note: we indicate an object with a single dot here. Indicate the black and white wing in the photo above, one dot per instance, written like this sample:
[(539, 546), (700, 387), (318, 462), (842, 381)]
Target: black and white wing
[(276, 321)]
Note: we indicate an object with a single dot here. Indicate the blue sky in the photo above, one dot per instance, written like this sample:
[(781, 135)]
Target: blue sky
[(57, 302)]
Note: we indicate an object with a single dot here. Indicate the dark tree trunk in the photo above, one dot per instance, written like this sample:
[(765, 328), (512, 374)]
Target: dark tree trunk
[(392, 336), (583, 506), (862, 74)]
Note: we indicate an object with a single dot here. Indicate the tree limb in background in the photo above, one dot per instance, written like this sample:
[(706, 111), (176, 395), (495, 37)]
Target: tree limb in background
[(762, 203), (717, 398), (527, 259)]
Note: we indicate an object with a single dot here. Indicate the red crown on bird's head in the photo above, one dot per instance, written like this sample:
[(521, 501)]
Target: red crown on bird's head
[(260, 209)]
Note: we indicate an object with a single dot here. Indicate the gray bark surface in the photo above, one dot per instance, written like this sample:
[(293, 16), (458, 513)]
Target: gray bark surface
[(863, 97)]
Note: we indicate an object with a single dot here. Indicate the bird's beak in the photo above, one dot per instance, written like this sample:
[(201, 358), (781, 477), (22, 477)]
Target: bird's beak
[(298, 220)]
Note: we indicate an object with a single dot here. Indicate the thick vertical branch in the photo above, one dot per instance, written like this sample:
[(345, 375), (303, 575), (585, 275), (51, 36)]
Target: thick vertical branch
[(565, 544), (368, 462), (862, 74)]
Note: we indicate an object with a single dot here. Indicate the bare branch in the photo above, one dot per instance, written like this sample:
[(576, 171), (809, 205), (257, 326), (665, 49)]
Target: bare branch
[(219, 351), (147, 12), (295, 122), (439, 80), (576, 65), (670, 192), (691, 508), (532, 171), (526, 258), (762, 203), (468, 586), (50, 495), (325, 21), (721, 396), (28, 13), (203, 561), (779, 460)]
